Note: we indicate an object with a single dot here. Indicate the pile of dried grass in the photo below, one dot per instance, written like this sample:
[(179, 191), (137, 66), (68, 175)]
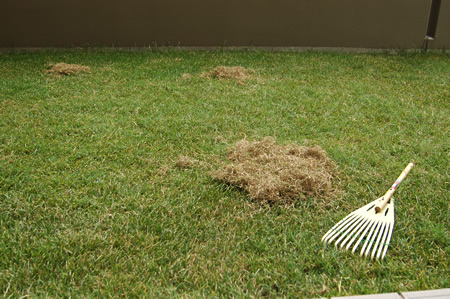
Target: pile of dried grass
[(271, 172), (237, 73), (187, 162), (67, 69)]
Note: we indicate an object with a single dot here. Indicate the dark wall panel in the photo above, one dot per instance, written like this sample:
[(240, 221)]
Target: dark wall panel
[(283, 23), (442, 40)]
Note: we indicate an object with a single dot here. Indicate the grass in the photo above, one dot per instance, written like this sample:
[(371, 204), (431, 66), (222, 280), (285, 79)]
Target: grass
[(92, 202)]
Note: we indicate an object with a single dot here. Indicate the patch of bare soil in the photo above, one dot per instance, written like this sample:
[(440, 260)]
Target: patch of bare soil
[(271, 172), (65, 69), (237, 73)]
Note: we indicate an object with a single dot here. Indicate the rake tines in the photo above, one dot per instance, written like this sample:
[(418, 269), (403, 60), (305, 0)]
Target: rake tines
[(370, 226), (370, 229)]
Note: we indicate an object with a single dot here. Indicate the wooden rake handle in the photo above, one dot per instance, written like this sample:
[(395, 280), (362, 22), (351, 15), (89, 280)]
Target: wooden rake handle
[(380, 206)]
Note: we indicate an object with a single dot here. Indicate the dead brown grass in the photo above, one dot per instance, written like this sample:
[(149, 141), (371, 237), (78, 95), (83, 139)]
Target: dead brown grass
[(187, 162), (237, 73), (163, 170), (65, 69), (186, 76), (271, 172)]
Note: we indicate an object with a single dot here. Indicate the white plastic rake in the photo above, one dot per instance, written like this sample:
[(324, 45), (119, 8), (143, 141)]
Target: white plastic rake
[(370, 226)]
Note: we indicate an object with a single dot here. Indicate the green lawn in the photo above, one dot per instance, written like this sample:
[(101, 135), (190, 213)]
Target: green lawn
[(92, 201)]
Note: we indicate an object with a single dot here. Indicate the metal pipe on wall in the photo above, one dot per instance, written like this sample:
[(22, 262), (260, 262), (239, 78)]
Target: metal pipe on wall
[(432, 23)]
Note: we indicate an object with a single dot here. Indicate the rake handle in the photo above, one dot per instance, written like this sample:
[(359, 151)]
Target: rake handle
[(380, 206)]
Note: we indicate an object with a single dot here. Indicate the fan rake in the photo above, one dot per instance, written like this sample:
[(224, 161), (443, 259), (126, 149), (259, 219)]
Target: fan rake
[(370, 226)]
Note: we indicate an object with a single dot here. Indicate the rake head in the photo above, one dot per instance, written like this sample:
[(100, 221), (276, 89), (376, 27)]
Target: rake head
[(370, 229)]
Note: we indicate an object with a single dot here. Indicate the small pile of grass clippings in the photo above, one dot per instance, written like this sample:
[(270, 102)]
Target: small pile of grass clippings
[(65, 69), (187, 162), (271, 172), (238, 73), (186, 76)]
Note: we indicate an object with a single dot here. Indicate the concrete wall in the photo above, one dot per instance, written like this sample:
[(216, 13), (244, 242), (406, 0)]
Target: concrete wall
[(269, 23)]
